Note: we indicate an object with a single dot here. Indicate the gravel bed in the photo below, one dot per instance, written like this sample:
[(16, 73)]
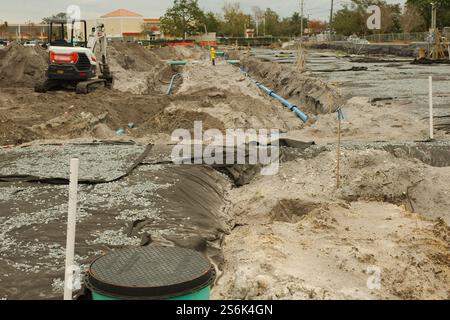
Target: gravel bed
[(97, 162)]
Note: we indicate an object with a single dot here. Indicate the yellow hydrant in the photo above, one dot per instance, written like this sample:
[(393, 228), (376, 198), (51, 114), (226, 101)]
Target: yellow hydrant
[(213, 56)]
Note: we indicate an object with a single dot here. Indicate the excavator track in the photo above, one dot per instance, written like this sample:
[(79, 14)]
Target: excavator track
[(88, 86), (46, 86)]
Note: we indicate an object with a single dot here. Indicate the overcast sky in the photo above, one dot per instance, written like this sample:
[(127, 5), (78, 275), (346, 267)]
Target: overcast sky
[(20, 11)]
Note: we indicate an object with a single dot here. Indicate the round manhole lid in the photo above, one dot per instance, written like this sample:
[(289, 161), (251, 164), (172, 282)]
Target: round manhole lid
[(150, 272)]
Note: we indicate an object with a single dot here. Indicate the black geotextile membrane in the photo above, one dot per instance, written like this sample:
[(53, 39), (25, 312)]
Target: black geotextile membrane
[(436, 154), (99, 163), (153, 205)]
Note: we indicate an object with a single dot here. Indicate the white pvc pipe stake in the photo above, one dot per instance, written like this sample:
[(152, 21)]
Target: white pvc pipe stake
[(71, 221), (430, 80)]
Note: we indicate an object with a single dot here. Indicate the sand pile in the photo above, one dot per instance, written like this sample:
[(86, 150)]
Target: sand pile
[(366, 175), (312, 94), (131, 56), (136, 69), (22, 66), (179, 53)]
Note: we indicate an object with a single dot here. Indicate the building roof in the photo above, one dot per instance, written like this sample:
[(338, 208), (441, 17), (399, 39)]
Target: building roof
[(120, 13), (152, 20)]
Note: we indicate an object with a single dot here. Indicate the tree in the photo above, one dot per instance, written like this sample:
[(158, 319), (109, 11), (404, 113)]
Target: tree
[(183, 18), (258, 16), (411, 20), (272, 22), (353, 18), (212, 22), (390, 18), (234, 21), (424, 8), (317, 26), (348, 21), (4, 29), (57, 16)]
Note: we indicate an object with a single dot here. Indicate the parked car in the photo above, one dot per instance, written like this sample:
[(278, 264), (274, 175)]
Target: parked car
[(3, 43), (30, 43), (357, 40)]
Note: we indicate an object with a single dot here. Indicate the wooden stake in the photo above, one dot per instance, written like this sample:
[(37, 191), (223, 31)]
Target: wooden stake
[(71, 221)]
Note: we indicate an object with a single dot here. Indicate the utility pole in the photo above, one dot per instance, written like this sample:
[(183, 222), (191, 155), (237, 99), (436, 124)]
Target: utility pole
[(302, 4), (433, 16), (331, 14), (264, 25)]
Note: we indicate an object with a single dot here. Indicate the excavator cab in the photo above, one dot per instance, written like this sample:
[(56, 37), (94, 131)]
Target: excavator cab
[(72, 59), (58, 33)]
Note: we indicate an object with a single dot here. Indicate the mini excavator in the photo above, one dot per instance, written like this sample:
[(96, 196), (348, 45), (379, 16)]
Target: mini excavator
[(74, 63)]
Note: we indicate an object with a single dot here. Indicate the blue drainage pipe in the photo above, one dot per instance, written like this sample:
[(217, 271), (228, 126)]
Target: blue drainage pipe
[(286, 103), (169, 90)]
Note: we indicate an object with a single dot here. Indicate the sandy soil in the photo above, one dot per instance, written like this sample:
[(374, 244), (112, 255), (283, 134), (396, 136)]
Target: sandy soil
[(366, 121), (309, 240), (295, 234), (235, 100), (331, 252)]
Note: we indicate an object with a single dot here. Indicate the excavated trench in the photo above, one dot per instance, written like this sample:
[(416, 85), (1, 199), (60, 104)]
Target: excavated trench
[(313, 95)]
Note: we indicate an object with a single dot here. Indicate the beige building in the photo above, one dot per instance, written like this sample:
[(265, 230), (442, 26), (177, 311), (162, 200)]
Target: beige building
[(126, 25)]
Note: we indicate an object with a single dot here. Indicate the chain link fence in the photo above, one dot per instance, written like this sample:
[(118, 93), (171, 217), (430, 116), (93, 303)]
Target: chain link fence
[(398, 37)]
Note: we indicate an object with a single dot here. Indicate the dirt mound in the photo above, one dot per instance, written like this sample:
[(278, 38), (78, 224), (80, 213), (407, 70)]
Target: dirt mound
[(171, 119), (377, 175), (311, 94), (131, 56), (226, 94), (169, 53), (136, 69), (11, 134), (66, 115), (22, 66)]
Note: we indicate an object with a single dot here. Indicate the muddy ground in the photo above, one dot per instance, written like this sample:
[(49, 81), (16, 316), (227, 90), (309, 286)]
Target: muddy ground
[(292, 235)]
